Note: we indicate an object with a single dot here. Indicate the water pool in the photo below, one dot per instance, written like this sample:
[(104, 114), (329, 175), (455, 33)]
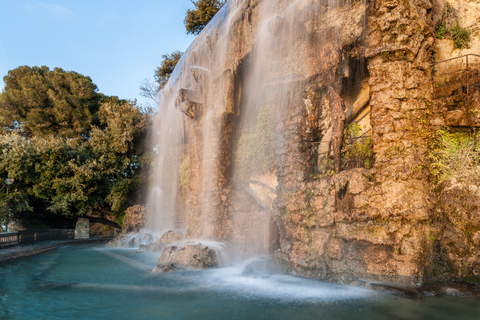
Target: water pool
[(96, 282)]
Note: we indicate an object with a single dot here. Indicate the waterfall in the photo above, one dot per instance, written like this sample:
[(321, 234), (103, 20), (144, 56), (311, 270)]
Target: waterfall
[(226, 119)]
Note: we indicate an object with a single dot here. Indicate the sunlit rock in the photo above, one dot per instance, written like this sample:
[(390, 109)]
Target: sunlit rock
[(191, 256), (172, 236)]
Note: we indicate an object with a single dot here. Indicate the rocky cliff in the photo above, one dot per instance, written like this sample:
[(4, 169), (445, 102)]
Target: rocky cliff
[(307, 133)]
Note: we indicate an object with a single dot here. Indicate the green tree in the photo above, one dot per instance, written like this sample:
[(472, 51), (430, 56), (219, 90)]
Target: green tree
[(38, 102), (196, 19), (162, 73), (95, 178)]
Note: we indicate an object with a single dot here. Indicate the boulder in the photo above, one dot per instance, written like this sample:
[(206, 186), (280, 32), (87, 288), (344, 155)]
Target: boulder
[(168, 238), (171, 237), (190, 256), (115, 242), (152, 247)]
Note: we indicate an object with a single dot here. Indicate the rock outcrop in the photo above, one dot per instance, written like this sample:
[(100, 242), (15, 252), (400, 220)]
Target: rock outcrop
[(135, 218), (376, 212)]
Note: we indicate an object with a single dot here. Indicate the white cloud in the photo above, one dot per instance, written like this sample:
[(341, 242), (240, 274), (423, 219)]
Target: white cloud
[(57, 10)]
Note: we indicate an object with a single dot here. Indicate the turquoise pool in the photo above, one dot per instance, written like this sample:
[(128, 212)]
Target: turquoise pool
[(96, 282)]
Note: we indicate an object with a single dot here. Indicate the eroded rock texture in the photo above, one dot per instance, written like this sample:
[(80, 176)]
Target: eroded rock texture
[(188, 256), (317, 65), (135, 217)]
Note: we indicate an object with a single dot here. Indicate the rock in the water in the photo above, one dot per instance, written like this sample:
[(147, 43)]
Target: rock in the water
[(164, 268), (172, 236), (168, 238), (189, 256), (152, 247), (132, 240), (115, 242), (260, 266)]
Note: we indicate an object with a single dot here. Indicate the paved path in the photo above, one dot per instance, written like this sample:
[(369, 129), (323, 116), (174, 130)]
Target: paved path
[(42, 246)]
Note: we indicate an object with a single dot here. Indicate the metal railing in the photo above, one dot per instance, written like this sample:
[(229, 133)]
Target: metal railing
[(12, 239), (459, 78)]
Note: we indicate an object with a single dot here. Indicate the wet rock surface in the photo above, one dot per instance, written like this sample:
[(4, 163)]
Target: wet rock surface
[(172, 236), (384, 222), (458, 288), (261, 266), (168, 238), (132, 240), (187, 256), (117, 240)]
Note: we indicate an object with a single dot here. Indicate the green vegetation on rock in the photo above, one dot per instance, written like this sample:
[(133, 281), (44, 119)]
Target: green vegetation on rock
[(254, 153), (457, 155), (450, 27), (461, 37), (357, 149), (441, 31), (149, 89)]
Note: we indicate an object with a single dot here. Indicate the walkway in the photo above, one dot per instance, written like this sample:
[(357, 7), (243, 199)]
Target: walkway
[(42, 246)]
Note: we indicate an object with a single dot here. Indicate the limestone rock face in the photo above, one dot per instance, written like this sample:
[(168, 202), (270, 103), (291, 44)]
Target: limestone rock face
[(457, 242), (134, 218), (385, 221), (187, 256)]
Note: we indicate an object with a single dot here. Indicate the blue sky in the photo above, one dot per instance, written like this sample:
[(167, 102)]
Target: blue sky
[(117, 43)]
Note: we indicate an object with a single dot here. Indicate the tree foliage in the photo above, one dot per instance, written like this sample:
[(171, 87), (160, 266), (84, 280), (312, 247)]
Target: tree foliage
[(41, 102), (196, 19), (162, 73), (71, 177)]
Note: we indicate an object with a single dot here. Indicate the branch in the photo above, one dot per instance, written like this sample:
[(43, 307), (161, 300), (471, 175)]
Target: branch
[(149, 90)]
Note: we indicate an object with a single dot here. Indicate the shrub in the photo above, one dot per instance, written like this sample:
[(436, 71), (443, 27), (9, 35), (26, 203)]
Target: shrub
[(441, 31), (357, 149), (461, 37), (456, 155)]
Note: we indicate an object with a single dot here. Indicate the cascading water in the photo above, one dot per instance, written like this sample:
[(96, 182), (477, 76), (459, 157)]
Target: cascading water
[(222, 116), (197, 87)]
